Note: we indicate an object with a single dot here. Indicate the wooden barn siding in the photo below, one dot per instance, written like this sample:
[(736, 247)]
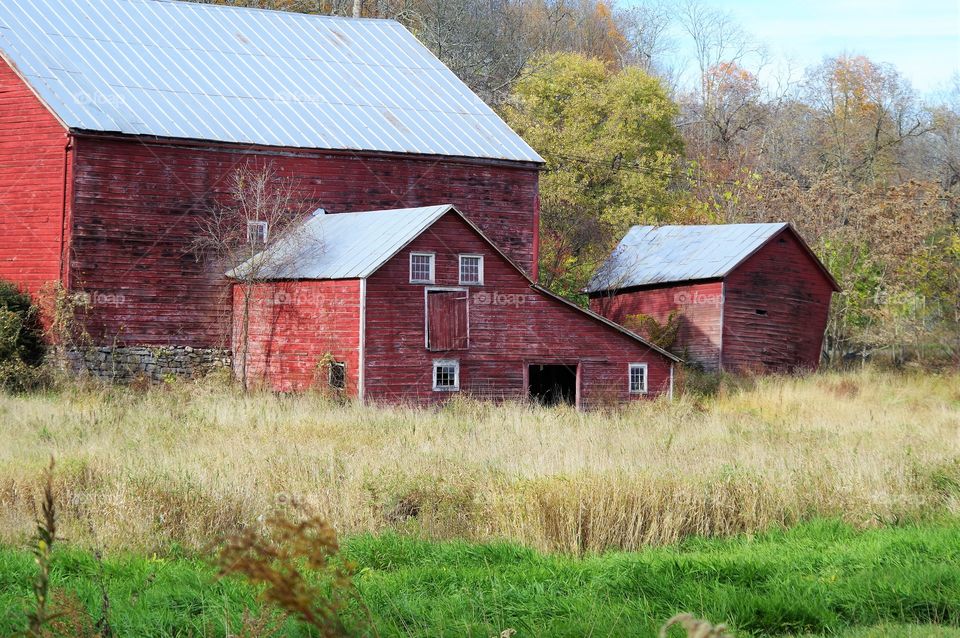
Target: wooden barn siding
[(781, 279), (510, 325), (292, 326), (34, 171), (701, 304), (137, 205)]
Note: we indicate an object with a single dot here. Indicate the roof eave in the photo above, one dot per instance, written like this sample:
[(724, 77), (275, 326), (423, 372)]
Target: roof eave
[(606, 321), (300, 150)]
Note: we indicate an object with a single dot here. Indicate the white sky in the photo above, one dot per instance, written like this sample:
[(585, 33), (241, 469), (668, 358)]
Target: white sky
[(920, 37)]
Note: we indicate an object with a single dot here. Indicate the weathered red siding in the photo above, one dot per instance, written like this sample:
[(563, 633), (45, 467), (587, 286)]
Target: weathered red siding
[(782, 280), (511, 325), (701, 308), (292, 325), (137, 206), (34, 180)]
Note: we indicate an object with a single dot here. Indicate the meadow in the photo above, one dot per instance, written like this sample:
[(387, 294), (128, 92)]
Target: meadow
[(187, 463), (819, 505)]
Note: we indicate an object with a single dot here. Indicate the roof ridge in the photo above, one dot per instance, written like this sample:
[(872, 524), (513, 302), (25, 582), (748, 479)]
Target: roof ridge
[(261, 9)]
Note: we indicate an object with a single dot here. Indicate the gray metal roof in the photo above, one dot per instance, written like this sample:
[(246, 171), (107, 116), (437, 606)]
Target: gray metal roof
[(665, 254), (251, 76), (341, 245)]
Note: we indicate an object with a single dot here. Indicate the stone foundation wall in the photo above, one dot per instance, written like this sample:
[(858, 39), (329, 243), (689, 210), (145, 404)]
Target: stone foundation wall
[(124, 364)]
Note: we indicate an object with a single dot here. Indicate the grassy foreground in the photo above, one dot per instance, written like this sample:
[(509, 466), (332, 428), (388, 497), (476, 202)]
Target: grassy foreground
[(185, 464), (821, 578)]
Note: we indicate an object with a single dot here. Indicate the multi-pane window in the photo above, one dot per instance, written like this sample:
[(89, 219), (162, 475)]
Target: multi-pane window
[(421, 268), (638, 378), (446, 374), (257, 232), (471, 269)]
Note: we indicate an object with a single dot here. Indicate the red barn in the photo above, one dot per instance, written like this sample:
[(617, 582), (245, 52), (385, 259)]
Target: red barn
[(416, 305), (121, 122), (748, 297)]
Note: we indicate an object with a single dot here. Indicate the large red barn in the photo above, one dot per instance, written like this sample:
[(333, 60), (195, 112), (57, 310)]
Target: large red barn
[(414, 305), (121, 122), (748, 297)]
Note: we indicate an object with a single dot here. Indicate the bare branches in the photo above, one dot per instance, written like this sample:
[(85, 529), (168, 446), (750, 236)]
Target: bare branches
[(257, 233)]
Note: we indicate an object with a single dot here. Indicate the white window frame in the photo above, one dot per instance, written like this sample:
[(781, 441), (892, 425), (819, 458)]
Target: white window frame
[(254, 237), (460, 271), (646, 379), (433, 267), (341, 365), (437, 363)]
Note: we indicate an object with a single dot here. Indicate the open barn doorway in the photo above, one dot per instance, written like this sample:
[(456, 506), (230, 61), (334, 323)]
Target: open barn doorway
[(552, 384)]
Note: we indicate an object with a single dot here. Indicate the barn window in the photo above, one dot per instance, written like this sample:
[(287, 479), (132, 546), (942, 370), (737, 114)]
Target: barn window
[(761, 312), (257, 232), (471, 269), (637, 373), (447, 324), (421, 268), (446, 375), (338, 375)]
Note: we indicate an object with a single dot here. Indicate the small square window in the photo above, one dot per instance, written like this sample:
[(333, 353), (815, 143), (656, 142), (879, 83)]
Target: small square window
[(338, 376), (638, 378), (257, 232), (446, 375), (421, 268), (471, 269)]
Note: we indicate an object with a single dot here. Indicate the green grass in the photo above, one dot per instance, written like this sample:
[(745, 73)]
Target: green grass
[(821, 578)]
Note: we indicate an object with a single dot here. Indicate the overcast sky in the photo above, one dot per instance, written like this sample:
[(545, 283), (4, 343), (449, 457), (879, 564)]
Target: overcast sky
[(920, 37)]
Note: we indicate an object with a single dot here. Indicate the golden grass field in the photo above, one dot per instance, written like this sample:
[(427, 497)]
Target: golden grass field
[(185, 463)]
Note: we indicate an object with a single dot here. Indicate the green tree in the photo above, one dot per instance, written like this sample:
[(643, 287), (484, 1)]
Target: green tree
[(612, 151)]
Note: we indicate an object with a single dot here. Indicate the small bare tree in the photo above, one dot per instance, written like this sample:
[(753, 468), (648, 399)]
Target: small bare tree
[(255, 234)]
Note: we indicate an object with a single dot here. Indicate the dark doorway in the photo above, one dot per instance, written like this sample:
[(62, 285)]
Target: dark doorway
[(553, 384)]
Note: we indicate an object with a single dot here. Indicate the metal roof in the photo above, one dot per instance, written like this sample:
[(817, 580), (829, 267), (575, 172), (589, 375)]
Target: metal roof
[(356, 245), (250, 76), (341, 245), (664, 254)]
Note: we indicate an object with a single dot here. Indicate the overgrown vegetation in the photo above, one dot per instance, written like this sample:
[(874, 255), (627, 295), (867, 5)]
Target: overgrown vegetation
[(662, 334), (184, 461), (21, 340)]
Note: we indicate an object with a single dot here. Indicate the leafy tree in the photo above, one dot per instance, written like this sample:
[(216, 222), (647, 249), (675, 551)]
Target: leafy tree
[(612, 152)]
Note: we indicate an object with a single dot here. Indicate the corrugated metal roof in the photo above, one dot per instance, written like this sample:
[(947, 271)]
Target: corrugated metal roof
[(342, 245), (664, 254), (251, 76)]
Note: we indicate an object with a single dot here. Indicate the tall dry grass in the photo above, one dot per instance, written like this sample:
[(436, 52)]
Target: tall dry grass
[(186, 463)]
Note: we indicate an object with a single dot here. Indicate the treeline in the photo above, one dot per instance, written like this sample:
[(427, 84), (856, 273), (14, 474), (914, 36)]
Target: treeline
[(634, 131)]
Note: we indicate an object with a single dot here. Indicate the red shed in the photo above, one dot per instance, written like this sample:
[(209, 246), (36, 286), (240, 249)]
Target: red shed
[(121, 122), (750, 297), (416, 305)]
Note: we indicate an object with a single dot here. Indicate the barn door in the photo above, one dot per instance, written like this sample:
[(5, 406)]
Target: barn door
[(447, 327)]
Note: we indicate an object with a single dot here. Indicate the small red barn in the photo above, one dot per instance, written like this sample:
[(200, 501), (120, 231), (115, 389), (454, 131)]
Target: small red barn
[(750, 297), (416, 305)]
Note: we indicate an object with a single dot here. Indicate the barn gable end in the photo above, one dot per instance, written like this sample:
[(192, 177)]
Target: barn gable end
[(776, 306), (35, 184)]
